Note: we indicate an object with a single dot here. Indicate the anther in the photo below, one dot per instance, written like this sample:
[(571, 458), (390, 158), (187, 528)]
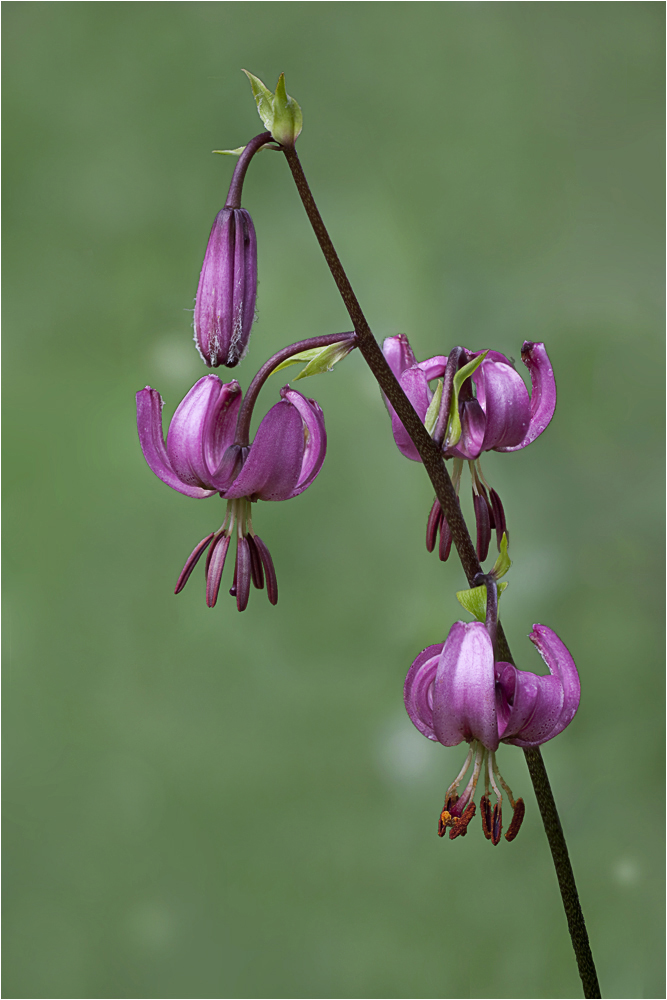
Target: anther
[(498, 516), (483, 527), (517, 820), (485, 809), (460, 827), (432, 526), (191, 562), (256, 569), (445, 540), (497, 824)]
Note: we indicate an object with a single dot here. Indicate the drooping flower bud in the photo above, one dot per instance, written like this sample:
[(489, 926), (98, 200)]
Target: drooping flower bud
[(225, 303)]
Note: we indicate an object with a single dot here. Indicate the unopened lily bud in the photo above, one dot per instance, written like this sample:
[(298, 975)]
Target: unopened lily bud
[(225, 303)]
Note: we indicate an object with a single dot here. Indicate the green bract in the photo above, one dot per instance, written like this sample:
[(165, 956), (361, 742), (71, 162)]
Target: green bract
[(431, 418), (474, 600), (454, 425), (503, 562), (280, 113), (319, 359)]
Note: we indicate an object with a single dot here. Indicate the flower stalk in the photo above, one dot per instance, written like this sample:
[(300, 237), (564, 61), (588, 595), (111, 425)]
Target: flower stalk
[(430, 453), (245, 413)]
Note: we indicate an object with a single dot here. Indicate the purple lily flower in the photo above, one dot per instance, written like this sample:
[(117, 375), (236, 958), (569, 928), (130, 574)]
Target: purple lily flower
[(200, 459), (500, 417), (225, 302), (455, 691)]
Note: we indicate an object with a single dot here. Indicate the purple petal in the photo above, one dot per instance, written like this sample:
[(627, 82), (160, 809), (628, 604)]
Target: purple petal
[(231, 464), (543, 398), (220, 425), (473, 428), (415, 386), (398, 354), (202, 428), (464, 703), (315, 437), (149, 426), (418, 689), (505, 401), (275, 459), (540, 707), (433, 367), (191, 562)]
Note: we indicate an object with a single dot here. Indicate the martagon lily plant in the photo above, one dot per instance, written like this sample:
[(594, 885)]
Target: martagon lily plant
[(450, 408)]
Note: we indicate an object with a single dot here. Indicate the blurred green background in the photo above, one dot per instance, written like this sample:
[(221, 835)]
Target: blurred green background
[(206, 804)]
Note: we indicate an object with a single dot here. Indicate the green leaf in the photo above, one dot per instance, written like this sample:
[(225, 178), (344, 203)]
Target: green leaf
[(263, 100), (453, 434), (503, 562), (474, 600), (319, 359), (431, 417), (229, 152)]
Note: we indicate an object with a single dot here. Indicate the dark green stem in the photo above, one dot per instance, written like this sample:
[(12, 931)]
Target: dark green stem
[(431, 456)]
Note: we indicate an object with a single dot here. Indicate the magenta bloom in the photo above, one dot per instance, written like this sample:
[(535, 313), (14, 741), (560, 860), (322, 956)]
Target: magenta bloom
[(495, 412), (201, 459), (454, 691), (225, 302), (501, 417)]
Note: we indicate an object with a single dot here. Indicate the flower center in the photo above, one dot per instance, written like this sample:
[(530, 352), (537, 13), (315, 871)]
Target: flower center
[(460, 809)]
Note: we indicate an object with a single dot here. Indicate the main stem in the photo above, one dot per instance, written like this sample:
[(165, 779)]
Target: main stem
[(431, 456)]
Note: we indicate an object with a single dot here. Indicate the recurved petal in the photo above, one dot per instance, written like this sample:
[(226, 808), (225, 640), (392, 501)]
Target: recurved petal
[(149, 426), (398, 353), (187, 444), (473, 428), (433, 367), (505, 401), (273, 466), (415, 386), (418, 690), (542, 706), (464, 704), (543, 397), (220, 425), (315, 436)]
